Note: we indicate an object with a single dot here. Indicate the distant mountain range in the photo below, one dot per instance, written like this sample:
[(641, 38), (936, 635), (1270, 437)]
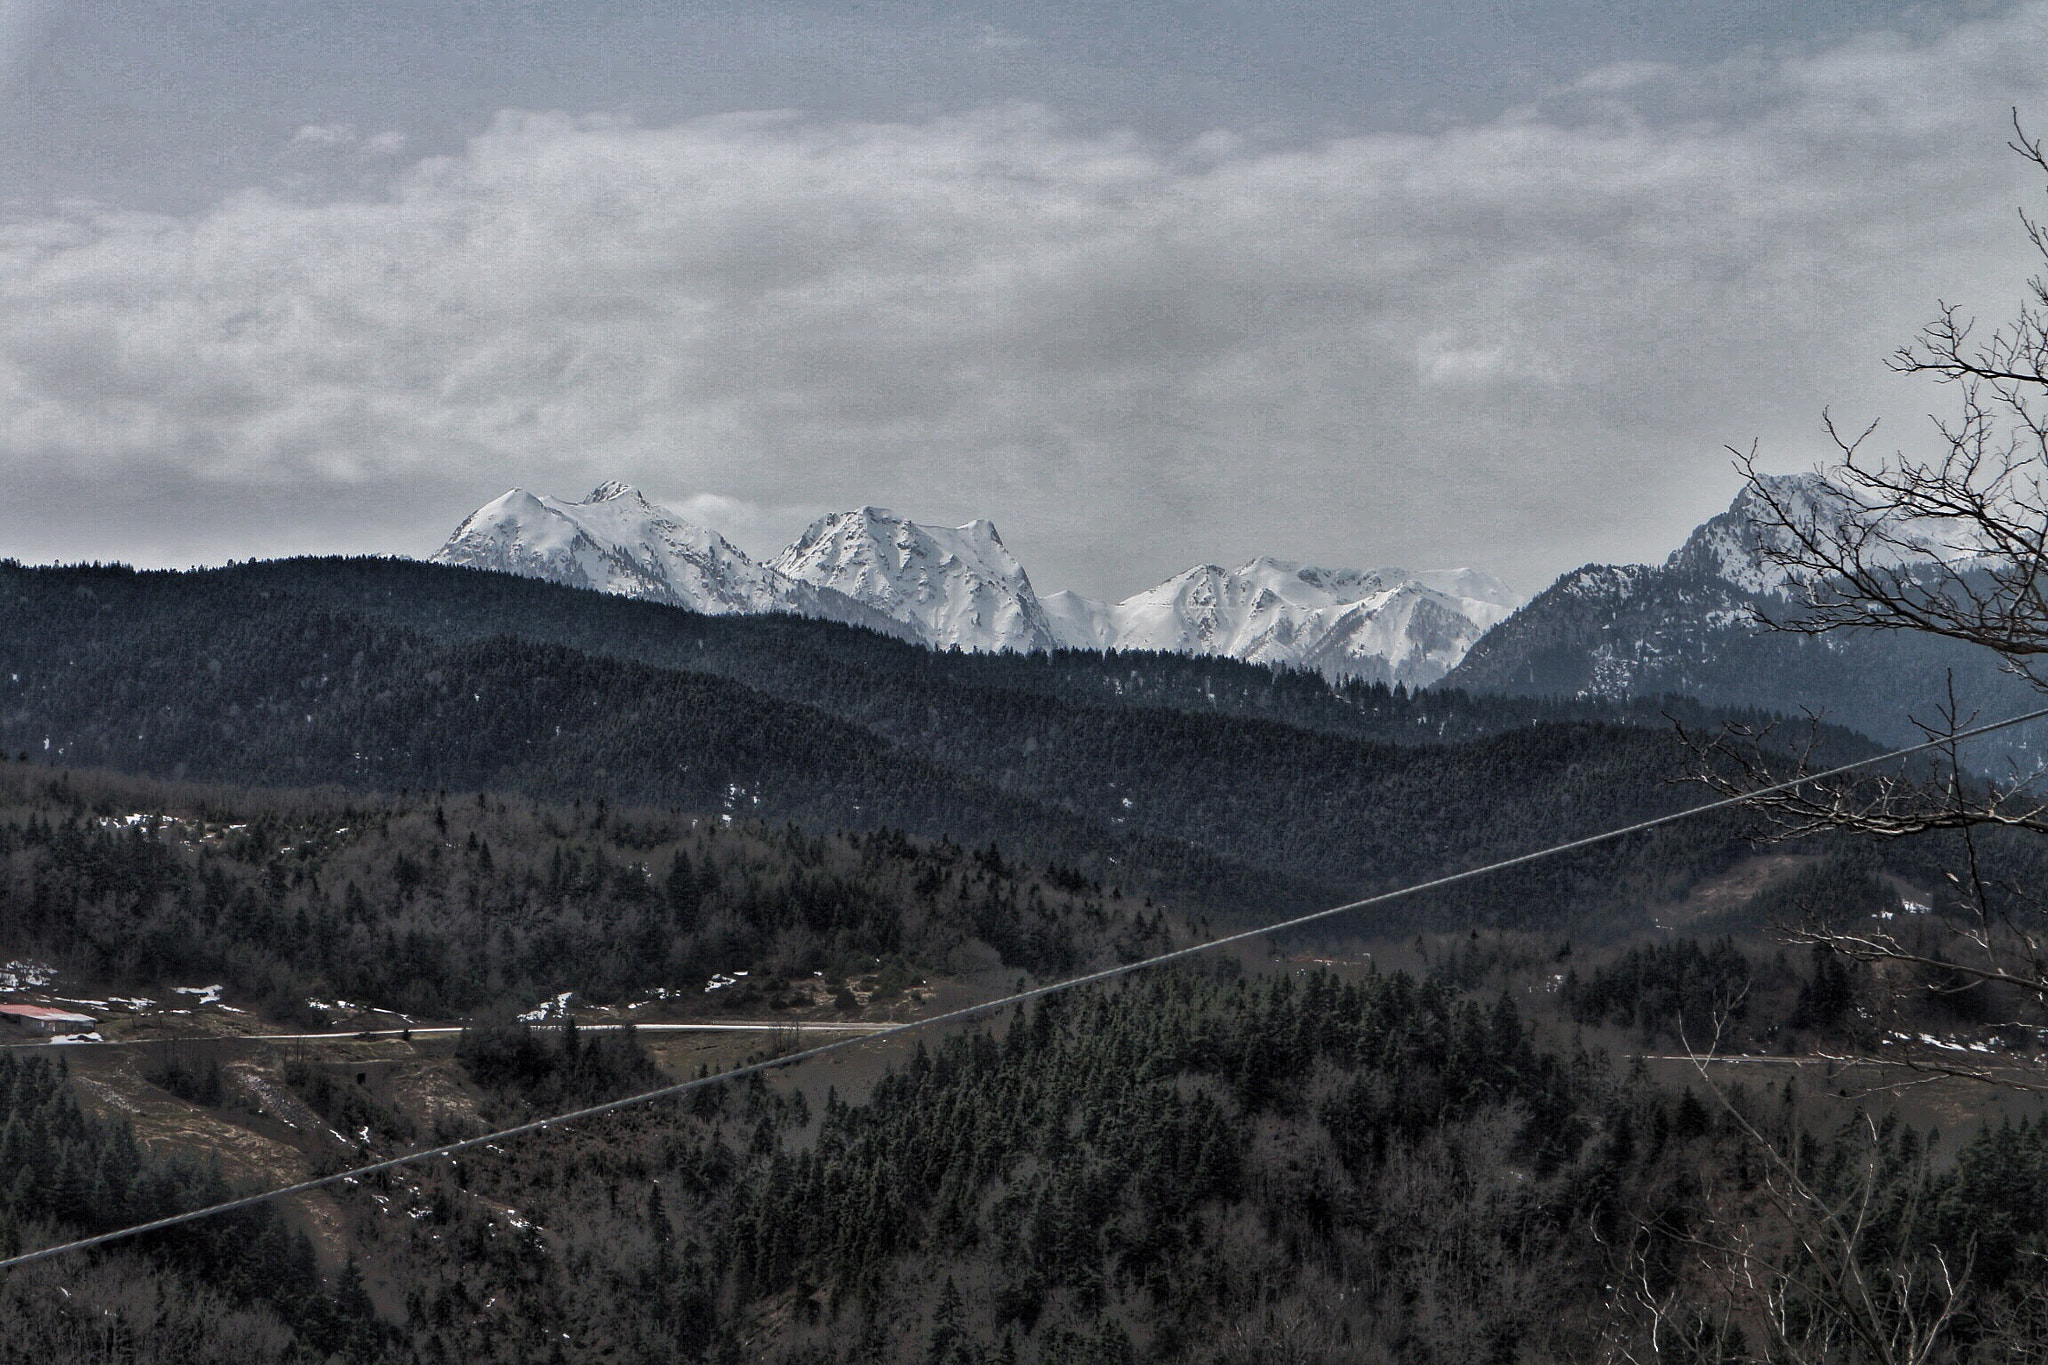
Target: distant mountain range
[(1378, 625), (961, 588), (1689, 626)]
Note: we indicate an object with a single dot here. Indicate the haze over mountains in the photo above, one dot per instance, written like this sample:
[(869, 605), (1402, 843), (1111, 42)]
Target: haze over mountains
[(960, 587)]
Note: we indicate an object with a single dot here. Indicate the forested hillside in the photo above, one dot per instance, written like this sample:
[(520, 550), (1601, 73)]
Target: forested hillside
[(1195, 1168), (1200, 1166), (880, 680), (335, 788), (436, 906), (1229, 788)]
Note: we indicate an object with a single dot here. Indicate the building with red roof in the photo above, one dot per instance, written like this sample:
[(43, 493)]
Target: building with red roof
[(44, 1022)]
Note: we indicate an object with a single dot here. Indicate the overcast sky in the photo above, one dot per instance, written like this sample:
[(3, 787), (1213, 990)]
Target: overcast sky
[(1150, 284)]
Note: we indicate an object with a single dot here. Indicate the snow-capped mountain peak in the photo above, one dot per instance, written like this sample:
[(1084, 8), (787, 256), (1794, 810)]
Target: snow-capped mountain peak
[(1384, 625), (617, 541), (1738, 546), (1690, 626), (960, 587), (956, 585)]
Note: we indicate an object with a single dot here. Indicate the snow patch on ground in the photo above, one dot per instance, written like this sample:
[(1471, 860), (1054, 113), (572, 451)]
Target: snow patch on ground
[(201, 995), (23, 976), (1945, 1044), (548, 1009), (340, 1006), (660, 993)]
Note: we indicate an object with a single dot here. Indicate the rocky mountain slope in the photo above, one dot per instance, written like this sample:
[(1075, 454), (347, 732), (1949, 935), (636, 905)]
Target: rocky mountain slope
[(1692, 626)]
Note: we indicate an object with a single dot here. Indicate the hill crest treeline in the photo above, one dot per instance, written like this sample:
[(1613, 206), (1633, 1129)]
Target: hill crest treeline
[(1224, 786)]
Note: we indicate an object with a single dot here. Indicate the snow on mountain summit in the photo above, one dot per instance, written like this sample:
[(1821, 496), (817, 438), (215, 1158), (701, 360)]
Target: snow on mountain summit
[(957, 586), (1079, 622), (616, 541), (1737, 546), (1382, 625), (960, 587)]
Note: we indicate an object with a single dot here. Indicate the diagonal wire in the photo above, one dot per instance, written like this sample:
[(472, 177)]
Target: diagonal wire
[(357, 1173)]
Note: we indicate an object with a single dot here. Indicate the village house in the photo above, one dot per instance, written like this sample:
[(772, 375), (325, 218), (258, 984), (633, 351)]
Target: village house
[(43, 1022)]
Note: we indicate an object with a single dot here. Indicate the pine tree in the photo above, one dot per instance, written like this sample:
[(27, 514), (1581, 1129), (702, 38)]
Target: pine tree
[(948, 1343)]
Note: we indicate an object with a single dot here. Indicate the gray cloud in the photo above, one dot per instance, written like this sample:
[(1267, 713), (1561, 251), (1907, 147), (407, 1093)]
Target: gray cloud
[(1519, 344)]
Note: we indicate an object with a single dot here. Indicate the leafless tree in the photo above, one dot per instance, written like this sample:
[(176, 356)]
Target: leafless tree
[(1979, 500), (1950, 542), (1774, 1263), (1783, 1272), (1981, 933)]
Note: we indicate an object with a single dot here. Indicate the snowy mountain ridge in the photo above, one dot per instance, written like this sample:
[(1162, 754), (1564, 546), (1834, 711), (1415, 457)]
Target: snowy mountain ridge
[(1743, 545), (616, 541), (956, 586), (960, 587), (1694, 625), (1382, 625)]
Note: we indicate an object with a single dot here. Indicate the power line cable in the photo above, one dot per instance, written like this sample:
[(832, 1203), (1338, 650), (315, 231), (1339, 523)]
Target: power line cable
[(358, 1173)]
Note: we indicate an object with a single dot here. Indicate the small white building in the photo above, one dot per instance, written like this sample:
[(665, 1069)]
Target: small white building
[(44, 1022)]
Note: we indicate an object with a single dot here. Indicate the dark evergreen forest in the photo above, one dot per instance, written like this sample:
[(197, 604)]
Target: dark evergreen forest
[(436, 907), (454, 794), (1194, 1168), (1235, 789)]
